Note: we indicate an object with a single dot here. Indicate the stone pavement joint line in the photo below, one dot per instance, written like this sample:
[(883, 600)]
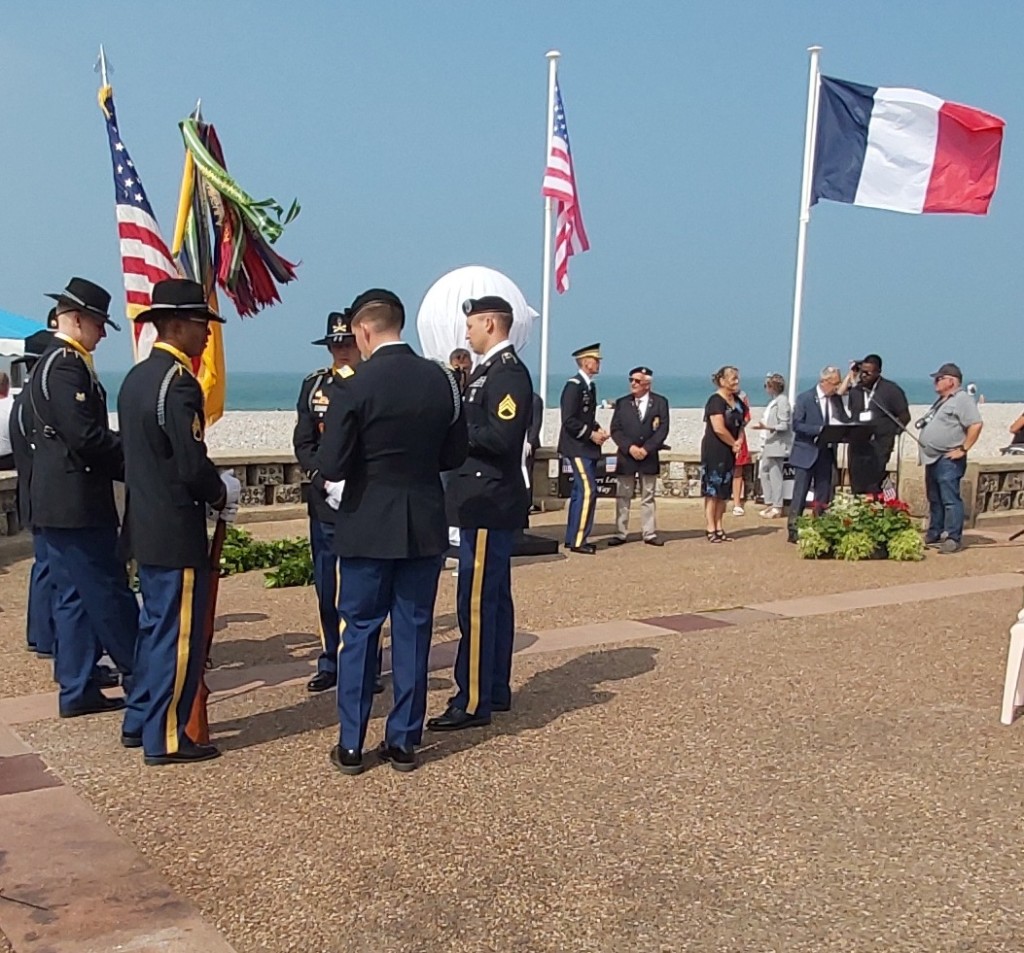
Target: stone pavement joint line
[(51, 837)]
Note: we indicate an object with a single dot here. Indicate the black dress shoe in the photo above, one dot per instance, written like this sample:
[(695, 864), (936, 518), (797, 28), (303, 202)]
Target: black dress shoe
[(587, 549), (129, 740), (616, 541), (43, 654), (402, 759), (347, 760), (94, 706), (455, 719), (791, 537), (504, 706), (103, 676), (186, 754), (321, 682), (654, 541)]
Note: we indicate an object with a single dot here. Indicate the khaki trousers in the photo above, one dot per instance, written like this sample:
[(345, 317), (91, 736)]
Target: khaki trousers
[(624, 493)]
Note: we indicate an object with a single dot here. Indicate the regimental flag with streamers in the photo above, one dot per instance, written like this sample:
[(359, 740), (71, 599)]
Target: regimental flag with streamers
[(145, 259), (903, 150), (560, 185)]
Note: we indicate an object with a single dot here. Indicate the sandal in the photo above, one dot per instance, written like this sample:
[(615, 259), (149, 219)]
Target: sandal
[(721, 537), (713, 538)]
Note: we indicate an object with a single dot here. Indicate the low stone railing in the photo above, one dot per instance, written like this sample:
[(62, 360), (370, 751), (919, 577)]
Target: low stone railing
[(993, 489)]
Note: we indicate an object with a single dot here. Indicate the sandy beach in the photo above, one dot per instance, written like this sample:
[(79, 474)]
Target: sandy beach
[(271, 431)]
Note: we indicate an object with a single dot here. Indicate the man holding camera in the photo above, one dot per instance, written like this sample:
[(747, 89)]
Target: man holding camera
[(882, 405), (949, 429)]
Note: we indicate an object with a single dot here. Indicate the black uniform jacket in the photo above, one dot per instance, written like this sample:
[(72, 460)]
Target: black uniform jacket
[(888, 395), (168, 475), (21, 447), (579, 406), (628, 430), (489, 490), (389, 433), (77, 456), (314, 398)]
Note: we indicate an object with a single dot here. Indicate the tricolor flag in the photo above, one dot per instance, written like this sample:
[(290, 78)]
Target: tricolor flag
[(560, 185), (145, 259), (903, 150)]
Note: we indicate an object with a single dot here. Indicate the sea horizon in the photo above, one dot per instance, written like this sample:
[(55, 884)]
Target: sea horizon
[(278, 390)]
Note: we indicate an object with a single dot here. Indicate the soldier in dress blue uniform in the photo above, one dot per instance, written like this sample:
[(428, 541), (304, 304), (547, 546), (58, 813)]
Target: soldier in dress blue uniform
[(39, 625), (76, 459), (389, 433), (580, 443), (488, 500), (323, 497), (170, 482)]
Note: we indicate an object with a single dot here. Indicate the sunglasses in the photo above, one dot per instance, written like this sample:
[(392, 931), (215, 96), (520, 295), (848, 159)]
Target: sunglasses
[(636, 380)]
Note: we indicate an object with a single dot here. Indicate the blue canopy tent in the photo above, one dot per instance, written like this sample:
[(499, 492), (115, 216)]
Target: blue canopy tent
[(13, 331)]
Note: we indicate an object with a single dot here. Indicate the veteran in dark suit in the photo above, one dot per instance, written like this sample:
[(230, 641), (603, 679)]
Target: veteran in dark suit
[(388, 434), (170, 481), (639, 429), (813, 462), (580, 442), (77, 458), (488, 500), (323, 497)]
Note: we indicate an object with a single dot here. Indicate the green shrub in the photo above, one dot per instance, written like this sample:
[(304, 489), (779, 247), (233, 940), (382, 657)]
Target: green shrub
[(906, 546), (811, 543), (288, 560), (856, 545)]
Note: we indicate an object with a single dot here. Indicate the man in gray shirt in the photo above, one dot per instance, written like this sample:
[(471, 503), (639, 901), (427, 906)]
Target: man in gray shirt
[(949, 429)]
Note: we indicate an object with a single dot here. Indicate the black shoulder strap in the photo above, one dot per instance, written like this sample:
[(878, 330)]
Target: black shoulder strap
[(49, 431)]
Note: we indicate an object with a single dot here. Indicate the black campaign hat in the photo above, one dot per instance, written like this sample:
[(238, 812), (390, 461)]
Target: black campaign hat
[(179, 297), (35, 344), (486, 304), (377, 294), (339, 328), (87, 297), (641, 370)]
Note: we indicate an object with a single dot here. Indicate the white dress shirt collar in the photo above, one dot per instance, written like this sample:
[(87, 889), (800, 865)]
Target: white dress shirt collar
[(494, 350)]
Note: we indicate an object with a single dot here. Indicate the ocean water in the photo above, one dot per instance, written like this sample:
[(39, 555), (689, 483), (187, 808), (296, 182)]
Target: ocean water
[(257, 390)]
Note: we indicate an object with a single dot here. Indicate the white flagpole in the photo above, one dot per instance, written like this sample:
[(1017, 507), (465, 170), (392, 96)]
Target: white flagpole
[(545, 304), (810, 137)]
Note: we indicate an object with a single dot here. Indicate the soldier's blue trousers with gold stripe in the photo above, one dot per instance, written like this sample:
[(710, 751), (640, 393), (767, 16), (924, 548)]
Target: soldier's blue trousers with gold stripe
[(39, 622), (91, 603), (168, 663), (582, 500), (483, 666)]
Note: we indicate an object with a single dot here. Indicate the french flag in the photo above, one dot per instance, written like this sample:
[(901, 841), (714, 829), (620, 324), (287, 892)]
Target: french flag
[(903, 150)]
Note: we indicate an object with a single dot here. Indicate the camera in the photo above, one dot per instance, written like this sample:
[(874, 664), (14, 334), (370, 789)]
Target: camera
[(855, 366)]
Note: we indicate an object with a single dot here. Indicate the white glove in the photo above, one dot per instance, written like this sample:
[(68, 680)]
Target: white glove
[(334, 492), (232, 492)]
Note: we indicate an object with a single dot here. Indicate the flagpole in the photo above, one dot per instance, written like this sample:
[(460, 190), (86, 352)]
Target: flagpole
[(810, 137), (545, 304), (103, 67)]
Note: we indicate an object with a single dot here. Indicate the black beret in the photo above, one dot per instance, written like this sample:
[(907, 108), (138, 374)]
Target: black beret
[(642, 370), (488, 303)]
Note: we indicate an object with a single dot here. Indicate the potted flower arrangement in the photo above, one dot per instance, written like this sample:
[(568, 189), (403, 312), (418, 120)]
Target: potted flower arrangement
[(859, 527)]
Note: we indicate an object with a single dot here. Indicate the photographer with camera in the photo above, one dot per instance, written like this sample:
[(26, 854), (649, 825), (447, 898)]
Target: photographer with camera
[(881, 403), (949, 429)]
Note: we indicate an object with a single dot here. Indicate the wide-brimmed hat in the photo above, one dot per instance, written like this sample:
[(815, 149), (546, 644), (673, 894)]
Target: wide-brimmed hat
[(88, 298), (35, 345), (179, 297), (339, 328)]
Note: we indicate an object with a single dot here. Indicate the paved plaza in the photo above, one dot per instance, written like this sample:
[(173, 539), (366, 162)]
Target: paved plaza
[(711, 748)]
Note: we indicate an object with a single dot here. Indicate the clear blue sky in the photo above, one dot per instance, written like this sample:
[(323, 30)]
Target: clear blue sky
[(413, 135)]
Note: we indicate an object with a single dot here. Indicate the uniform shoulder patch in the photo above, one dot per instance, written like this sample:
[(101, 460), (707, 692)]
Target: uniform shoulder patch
[(574, 380), (317, 373), (197, 428), (508, 357), (507, 408), (345, 371)]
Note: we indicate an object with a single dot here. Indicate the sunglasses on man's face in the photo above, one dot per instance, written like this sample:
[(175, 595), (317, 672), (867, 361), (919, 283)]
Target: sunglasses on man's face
[(636, 380)]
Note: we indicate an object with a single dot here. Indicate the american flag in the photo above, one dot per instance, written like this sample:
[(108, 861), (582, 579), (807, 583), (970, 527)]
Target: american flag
[(888, 490), (560, 185), (145, 259)]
